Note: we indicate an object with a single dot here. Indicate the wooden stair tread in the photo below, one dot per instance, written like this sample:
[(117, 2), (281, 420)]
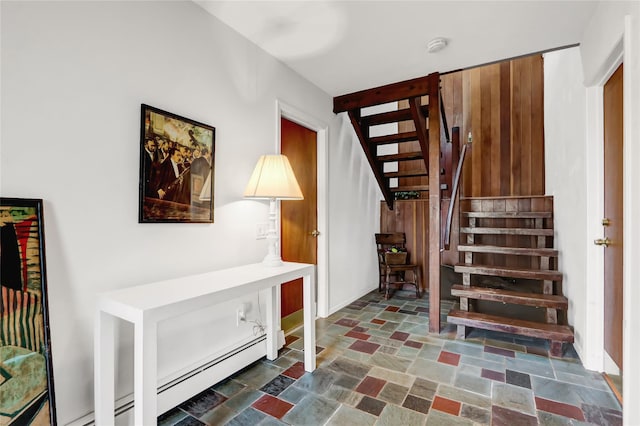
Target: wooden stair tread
[(509, 215), (410, 188), (510, 325), (394, 138), (506, 231), (406, 173), (415, 155), (520, 251), (511, 272), (508, 296), (391, 116)]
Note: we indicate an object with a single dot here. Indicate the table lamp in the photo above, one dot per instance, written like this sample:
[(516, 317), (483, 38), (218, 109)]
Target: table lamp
[(273, 179)]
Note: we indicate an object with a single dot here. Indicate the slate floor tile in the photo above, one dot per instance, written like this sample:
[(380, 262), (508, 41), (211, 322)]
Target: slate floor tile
[(464, 396), (471, 383), (189, 421), (418, 404), (273, 406), (446, 405), (343, 395), (277, 385), (513, 397), (243, 399), (293, 394), (171, 417), (449, 358), (376, 364), (250, 416), (493, 375), (371, 386), (295, 371), (312, 410), (393, 415), (318, 381), (499, 351), (560, 408), (203, 402), (393, 393), (363, 346), (399, 335), (346, 322), (519, 379), (350, 416), (424, 388), (371, 405), (228, 388), (475, 414), (352, 368)]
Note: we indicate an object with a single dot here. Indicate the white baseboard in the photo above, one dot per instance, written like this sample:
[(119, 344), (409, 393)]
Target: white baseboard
[(334, 309), (190, 383)]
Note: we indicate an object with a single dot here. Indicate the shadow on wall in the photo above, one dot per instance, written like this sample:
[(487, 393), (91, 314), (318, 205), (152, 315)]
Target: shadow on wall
[(448, 277)]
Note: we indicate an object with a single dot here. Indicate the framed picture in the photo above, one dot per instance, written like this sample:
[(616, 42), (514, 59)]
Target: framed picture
[(26, 373), (176, 168)]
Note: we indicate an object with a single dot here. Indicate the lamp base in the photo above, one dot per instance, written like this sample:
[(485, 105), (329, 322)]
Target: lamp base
[(272, 261), (273, 254)]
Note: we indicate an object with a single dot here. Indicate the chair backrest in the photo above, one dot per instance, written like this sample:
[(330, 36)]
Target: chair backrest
[(386, 241)]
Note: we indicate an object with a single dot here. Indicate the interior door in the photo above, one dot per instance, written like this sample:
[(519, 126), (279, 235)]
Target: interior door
[(613, 209), (298, 219)]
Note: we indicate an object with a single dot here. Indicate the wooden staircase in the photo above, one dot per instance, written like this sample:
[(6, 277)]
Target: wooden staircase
[(420, 104), (508, 259), (419, 101)]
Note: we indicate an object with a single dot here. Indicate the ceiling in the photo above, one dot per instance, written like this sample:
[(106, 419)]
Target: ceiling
[(346, 46)]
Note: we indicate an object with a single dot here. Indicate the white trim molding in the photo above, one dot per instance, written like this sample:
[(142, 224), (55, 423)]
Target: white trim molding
[(299, 116)]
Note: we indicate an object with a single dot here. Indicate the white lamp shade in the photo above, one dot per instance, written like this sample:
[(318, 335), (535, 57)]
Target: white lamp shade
[(273, 178)]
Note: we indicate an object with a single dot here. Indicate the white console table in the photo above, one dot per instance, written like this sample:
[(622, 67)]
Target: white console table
[(146, 305)]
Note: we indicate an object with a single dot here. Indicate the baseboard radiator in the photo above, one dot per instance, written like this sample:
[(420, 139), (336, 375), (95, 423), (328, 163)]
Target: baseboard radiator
[(189, 384)]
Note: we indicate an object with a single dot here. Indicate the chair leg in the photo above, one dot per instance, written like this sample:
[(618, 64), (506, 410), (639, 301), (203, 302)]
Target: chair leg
[(386, 284)]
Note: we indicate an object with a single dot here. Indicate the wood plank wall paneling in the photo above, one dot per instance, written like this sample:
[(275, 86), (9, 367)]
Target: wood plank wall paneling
[(412, 218), (502, 106), (523, 203)]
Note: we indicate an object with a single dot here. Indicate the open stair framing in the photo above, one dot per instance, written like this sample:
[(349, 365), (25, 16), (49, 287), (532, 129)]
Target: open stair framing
[(427, 120)]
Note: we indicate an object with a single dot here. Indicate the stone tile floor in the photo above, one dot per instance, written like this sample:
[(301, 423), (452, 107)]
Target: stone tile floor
[(377, 365)]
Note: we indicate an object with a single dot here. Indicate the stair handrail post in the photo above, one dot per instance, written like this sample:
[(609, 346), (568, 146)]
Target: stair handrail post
[(434, 202), (456, 186)]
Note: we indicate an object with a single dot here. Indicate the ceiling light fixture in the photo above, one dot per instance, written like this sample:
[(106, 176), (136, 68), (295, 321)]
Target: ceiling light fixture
[(436, 45)]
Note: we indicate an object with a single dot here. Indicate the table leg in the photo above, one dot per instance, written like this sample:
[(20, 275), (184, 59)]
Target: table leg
[(309, 288), (272, 321), (145, 389), (104, 372)]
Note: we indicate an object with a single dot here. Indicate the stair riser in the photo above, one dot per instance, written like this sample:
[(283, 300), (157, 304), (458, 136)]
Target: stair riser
[(506, 231), (514, 251), (511, 299), (526, 274), (523, 328)]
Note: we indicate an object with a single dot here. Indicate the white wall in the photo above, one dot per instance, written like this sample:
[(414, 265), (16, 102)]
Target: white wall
[(73, 77), (614, 30), (566, 177)]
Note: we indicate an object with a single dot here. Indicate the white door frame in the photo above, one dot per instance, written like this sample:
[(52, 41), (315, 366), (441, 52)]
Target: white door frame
[(297, 115), (627, 50)]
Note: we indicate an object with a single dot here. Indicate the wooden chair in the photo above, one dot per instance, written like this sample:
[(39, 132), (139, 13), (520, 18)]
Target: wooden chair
[(384, 242)]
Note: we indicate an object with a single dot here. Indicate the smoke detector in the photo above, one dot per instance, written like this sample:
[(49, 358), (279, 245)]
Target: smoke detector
[(436, 45)]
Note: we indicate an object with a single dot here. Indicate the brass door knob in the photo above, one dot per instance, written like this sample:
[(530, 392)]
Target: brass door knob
[(602, 242), (606, 222), (314, 233)]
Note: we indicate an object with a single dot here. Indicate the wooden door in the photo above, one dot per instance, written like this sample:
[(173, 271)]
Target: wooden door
[(613, 206), (298, 218)]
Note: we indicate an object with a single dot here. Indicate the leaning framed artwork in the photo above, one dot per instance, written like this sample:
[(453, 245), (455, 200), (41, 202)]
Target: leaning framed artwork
[(26, 373), (176, 168)]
